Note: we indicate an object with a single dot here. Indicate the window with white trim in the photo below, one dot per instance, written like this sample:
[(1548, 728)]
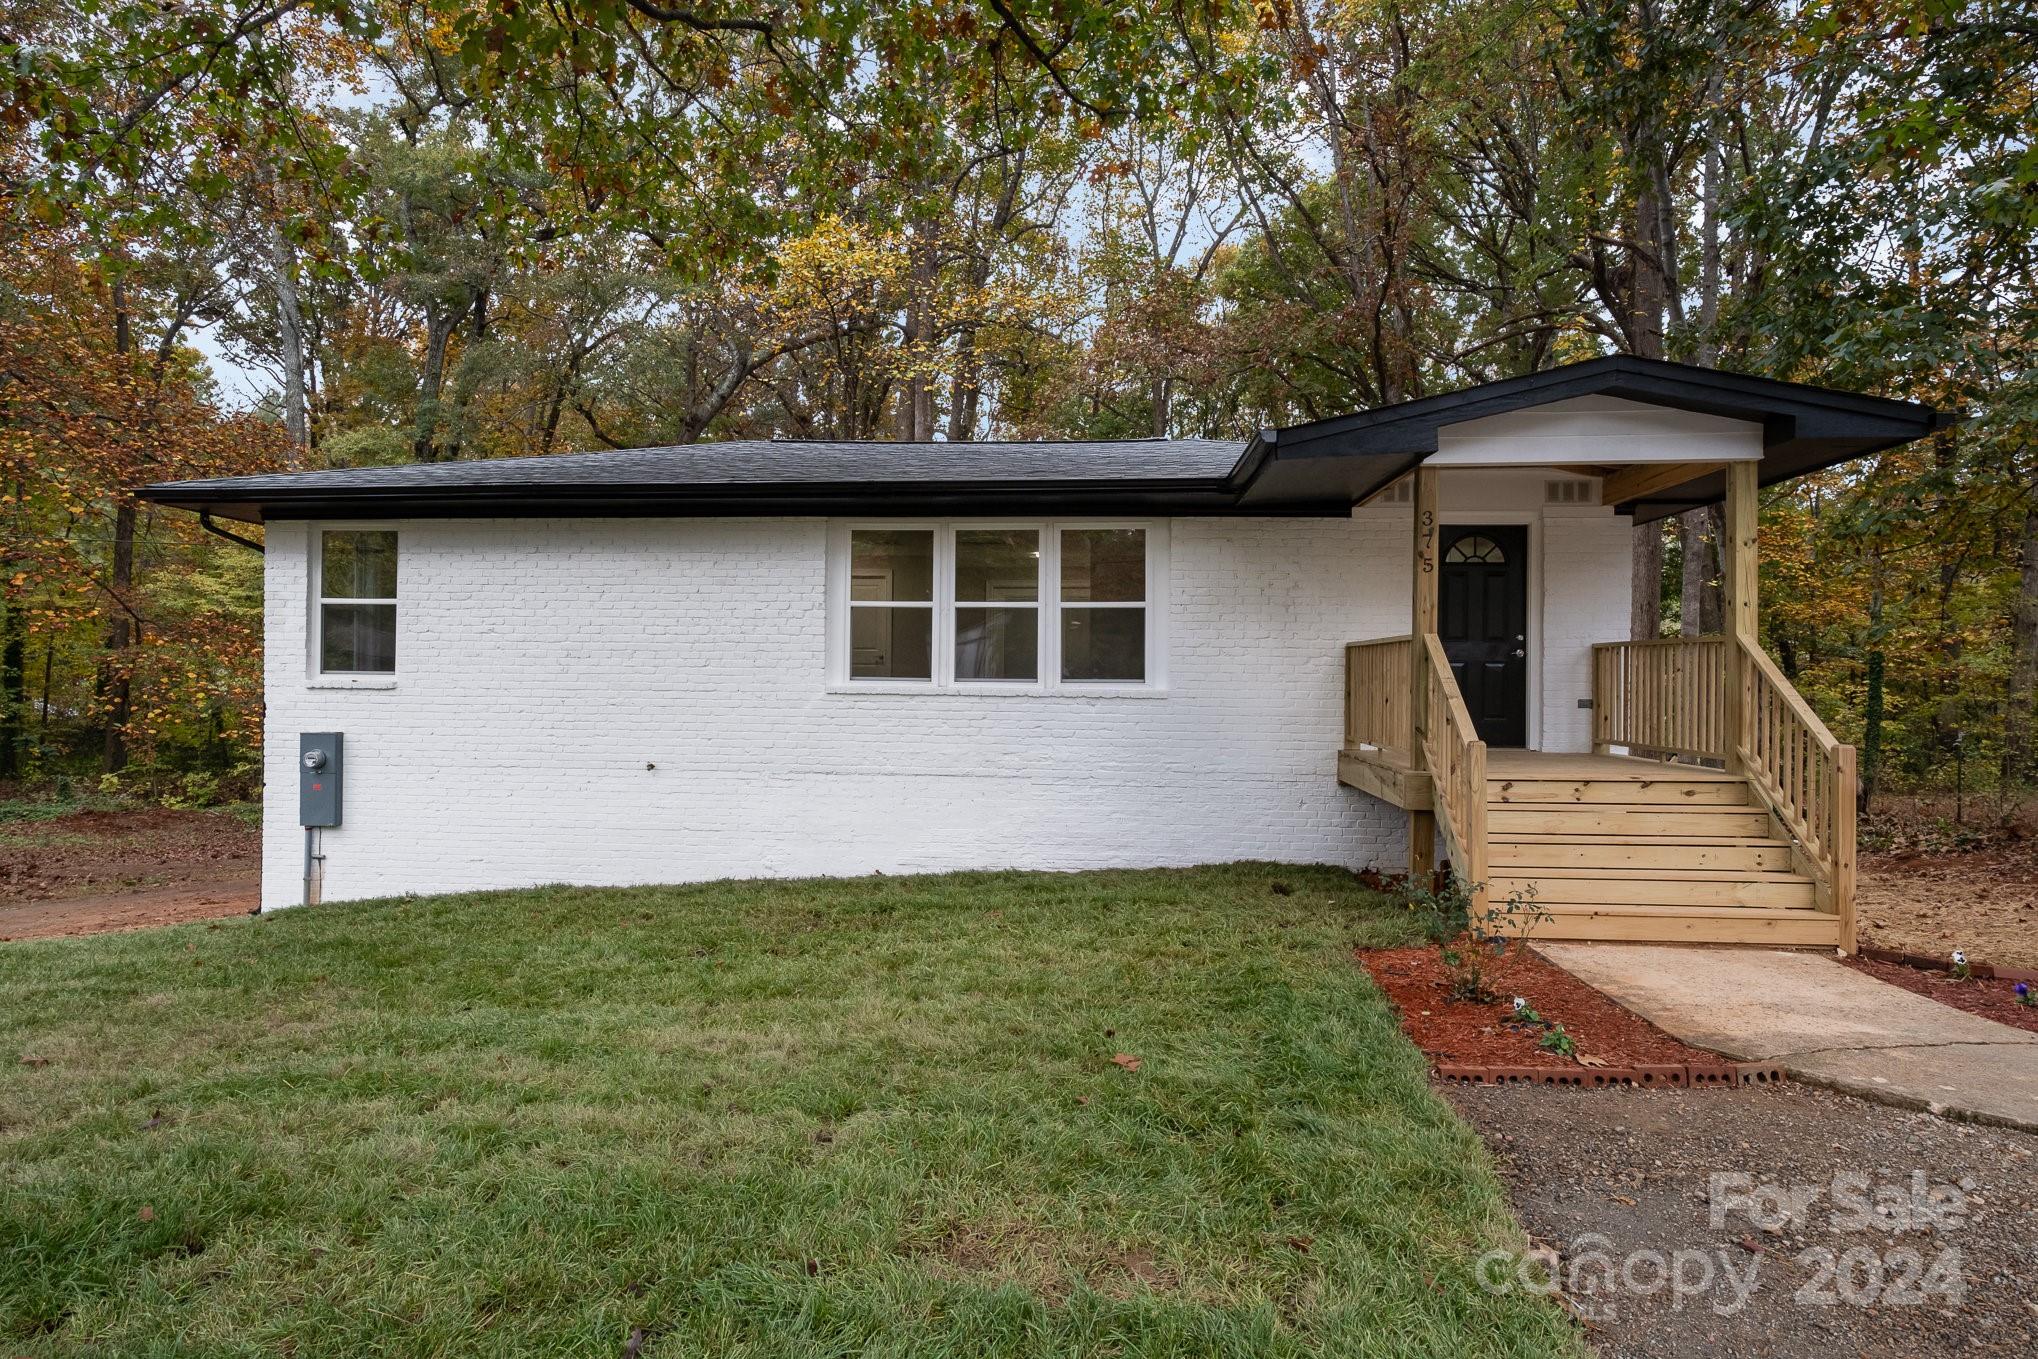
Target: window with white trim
[(356, 613), (891, 604), (1103, 605), (997, 606)]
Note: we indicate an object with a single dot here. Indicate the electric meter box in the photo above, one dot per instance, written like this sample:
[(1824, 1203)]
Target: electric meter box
[(319, 767)]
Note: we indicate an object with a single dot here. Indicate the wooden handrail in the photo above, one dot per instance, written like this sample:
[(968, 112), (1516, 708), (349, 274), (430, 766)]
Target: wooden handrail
[(1723, 698), (1378, 684), (1664, 696), (1804, 776), (1456, 760)]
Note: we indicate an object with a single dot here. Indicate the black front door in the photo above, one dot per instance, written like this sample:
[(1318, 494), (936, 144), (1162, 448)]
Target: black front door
[(1482, 619)]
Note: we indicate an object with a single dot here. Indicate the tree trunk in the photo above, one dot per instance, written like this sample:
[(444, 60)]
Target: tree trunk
[(1650, 293), (2021, 711), (1694, 570), (1645, 339), (290, 344), (965, 392), (1872, 706), (115, 683), (13, 690), (431, 384), (1163, 401), (914, 420), (1709, 239), (1645, 583)]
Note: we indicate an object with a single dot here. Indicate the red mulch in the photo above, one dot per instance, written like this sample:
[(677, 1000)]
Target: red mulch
[(1995, 1000), (1463, 1033)]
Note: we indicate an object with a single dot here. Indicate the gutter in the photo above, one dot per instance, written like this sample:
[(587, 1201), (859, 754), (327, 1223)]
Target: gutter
[(205, 522)]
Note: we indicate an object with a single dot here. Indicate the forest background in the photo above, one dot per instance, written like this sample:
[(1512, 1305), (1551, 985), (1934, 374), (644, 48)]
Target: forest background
[(244, 235)]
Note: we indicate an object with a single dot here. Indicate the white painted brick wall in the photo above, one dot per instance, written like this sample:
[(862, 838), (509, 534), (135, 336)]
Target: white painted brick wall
[(544, 663)]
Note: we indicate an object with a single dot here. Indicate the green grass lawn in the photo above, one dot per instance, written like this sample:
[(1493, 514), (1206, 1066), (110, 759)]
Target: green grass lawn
[(873, 1116)]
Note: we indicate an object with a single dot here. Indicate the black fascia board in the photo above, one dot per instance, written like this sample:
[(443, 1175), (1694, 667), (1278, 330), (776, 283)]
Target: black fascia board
[(1186, 497)]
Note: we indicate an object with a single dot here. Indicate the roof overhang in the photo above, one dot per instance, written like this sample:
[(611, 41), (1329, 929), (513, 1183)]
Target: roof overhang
[(1804, 429)]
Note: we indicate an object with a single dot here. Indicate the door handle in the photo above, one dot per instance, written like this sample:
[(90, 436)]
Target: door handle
[(1519, 653)]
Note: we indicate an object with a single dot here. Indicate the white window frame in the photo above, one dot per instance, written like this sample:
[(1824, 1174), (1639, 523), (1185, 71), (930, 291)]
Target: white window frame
[(1047, 611), (315, 551)]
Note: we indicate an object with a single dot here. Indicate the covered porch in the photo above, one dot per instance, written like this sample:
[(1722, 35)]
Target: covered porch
[(1712, 805)]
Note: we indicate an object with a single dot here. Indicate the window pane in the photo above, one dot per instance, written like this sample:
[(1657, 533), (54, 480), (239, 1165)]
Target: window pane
[(891, 643), (1476, 548), (356, 637), (891, 564), (997, 644), (358, 564), (1103, 645), (1103, 565), (997, 564)]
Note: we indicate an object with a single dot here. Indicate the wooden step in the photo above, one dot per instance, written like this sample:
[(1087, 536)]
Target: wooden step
[(1692, 925), (1624, 821), (1631, 792), (1677, 874), (1776, 891), (1742, 854)]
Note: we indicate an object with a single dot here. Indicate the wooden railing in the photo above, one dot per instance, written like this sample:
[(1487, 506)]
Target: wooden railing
[(1661, 697), (1719, 698), (1379, 694), (1456, 760), (1805, 776)]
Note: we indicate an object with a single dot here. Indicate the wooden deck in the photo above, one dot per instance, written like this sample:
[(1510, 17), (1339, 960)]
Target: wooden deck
[(1615, 847)]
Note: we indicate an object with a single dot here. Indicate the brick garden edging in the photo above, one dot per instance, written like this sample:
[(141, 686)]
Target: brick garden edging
[(1689, 1075), (1925, 962)]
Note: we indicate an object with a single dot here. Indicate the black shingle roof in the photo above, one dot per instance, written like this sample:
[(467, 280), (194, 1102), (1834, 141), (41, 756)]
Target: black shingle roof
[(780, 462), (1323, 468)]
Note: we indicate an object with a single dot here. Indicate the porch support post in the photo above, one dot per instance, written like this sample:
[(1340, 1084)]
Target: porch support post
[(1743, 575), (1422, 622)]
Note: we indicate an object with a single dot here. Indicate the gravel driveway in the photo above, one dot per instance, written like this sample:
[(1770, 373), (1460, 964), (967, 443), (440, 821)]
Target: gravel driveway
[(1711, 1223)]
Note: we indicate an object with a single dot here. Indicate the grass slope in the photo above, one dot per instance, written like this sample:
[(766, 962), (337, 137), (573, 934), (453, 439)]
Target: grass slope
[(875, 1116)]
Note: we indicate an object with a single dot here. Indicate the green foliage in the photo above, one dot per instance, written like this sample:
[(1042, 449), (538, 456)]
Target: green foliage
[(514, 230), (1470, 936)]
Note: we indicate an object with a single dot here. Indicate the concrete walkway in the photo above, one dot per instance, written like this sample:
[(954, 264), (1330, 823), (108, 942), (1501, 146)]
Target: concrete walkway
[(1823, 1023)]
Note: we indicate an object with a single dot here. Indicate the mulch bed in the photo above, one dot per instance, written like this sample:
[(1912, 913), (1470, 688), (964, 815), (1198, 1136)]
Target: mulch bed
[(1991, 999), (1465, 1033)]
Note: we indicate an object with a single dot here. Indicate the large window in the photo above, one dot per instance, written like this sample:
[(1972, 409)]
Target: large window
[(999, 606), (891, 604), (357, 602), (1103, 605)]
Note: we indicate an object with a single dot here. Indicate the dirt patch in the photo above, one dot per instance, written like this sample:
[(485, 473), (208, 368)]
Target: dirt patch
[(92, 872), (1470, 1033), (1983, 901), (1041, 1262), (1627, 1177), (122, 911), (88, 854), (1995, 1000)]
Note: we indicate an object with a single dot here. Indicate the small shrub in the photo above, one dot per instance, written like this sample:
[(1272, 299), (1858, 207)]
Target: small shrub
[(1471, 939), (1557, 1041)]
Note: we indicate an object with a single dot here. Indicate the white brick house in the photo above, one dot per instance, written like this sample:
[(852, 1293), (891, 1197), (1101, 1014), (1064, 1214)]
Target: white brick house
[(791, 659)]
